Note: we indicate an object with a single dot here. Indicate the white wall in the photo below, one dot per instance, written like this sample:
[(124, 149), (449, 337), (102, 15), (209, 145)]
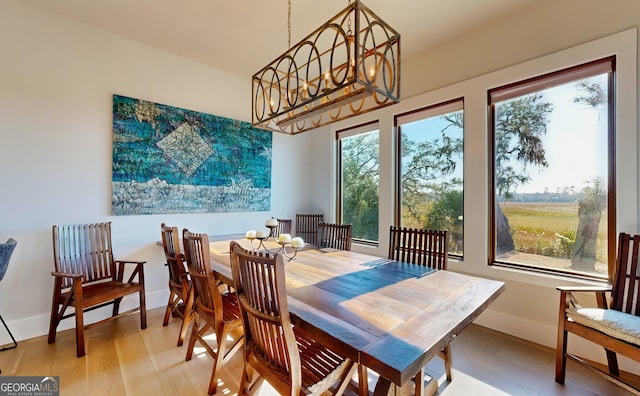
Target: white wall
[(57, 78), (547, 36)]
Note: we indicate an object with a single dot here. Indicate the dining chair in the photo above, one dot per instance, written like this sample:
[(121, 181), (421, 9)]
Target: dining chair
[(424, 247), (215, 307), (614, 326), (335, 236), (87, 277), (6, 250), (284, 226), (283, 355), (180, 292), (307, 226)]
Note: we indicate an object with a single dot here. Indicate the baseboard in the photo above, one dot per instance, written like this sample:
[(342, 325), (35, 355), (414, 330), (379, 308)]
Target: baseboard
[(36, 326), (546, 336)]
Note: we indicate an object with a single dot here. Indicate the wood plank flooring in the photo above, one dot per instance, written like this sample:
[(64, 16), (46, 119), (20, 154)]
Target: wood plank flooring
[(124, 360)]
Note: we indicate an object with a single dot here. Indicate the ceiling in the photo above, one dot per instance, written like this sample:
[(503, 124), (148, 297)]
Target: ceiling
[(242, 36)]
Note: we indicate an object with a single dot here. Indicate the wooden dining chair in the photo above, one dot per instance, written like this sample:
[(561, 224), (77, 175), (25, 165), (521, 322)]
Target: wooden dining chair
[(284, 226), (215, 307), (307, 227), (335, 236), (283, 355), (614, 326), (424, 247), (87, 277), (180, 292)]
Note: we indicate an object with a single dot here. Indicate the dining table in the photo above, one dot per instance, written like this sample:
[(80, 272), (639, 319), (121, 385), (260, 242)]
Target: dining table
[(388, 316)]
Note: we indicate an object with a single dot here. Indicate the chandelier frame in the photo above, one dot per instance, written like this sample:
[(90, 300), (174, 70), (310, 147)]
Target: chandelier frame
[(334, 73)]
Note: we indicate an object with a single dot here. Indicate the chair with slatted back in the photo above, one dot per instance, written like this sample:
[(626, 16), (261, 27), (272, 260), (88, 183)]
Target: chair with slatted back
[(335, 236), (283, 355), (180, 294), (425, 247), (284, 226), (87, 277), (614, 326), (307, 227), (215, 309)]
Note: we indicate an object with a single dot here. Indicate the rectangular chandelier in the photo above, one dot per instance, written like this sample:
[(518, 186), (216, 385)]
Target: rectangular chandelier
[(348, 66)]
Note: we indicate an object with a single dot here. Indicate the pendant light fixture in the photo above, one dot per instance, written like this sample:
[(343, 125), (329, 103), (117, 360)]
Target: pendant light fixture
[(348, 66)]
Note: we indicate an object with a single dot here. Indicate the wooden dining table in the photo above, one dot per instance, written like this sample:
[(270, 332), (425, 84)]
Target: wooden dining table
[(390, 317)]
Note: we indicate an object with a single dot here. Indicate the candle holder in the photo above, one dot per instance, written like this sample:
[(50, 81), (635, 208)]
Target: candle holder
[(284, 240)]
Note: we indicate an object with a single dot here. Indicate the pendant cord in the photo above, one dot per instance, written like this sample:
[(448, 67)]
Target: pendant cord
[(289, 24)]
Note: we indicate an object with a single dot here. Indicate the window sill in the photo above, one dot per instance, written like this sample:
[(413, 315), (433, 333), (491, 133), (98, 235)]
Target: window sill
[(505, 273)]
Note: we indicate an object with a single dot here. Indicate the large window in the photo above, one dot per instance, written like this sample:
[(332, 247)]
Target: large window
[(358, 192), (553, 185), (429, 170)]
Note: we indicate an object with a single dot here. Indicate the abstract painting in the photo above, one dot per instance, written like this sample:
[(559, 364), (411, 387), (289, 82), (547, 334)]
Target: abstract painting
[(171, 160)]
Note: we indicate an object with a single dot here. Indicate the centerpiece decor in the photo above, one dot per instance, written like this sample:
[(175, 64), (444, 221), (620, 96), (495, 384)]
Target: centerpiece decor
[(283, 240)]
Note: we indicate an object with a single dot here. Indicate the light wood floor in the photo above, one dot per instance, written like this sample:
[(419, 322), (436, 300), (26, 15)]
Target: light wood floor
[(124, 360)]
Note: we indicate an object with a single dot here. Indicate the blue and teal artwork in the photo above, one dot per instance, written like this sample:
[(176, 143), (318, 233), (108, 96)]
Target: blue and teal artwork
[(172, 160)]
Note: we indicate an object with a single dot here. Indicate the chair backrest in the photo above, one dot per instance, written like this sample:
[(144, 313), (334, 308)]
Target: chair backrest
[(336, 236), (307, 227), (6, 250), (84, 249), (171, 246), (284, 226), (259, 280), (205, 286), (424, 247), (625, 295)]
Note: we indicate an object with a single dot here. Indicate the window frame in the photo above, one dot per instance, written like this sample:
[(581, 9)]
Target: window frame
[(535, 84), (340, 134), (433, 110)]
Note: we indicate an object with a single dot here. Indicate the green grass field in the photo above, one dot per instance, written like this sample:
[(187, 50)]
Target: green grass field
[(548, 228)]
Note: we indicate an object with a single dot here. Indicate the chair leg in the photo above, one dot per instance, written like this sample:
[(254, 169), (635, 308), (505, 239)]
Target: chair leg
[(221, 339), (77, 291), (173, 298), (612, 362), (186, 319), (143, 303), (15, 344), (561, 347), (54, 320), (192, 337), (116, 306), (79, 333)]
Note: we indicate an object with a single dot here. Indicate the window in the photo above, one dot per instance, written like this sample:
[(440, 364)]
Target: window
[(553, 185), (430, 170), (358, 194)]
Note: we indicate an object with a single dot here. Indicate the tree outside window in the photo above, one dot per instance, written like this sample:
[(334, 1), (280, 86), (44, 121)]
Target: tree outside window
[(430, 164), (551, 154), (359, 181)]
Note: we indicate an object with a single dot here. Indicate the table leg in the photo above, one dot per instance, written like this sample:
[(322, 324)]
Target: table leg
[(384, 387)]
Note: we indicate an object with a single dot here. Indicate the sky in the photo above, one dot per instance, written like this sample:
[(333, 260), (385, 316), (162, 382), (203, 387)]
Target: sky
[(575, 143)]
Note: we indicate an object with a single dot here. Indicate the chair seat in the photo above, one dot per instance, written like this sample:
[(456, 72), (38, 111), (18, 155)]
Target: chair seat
[(620, 325), (321, 367), (105, 291), (230, 309)]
